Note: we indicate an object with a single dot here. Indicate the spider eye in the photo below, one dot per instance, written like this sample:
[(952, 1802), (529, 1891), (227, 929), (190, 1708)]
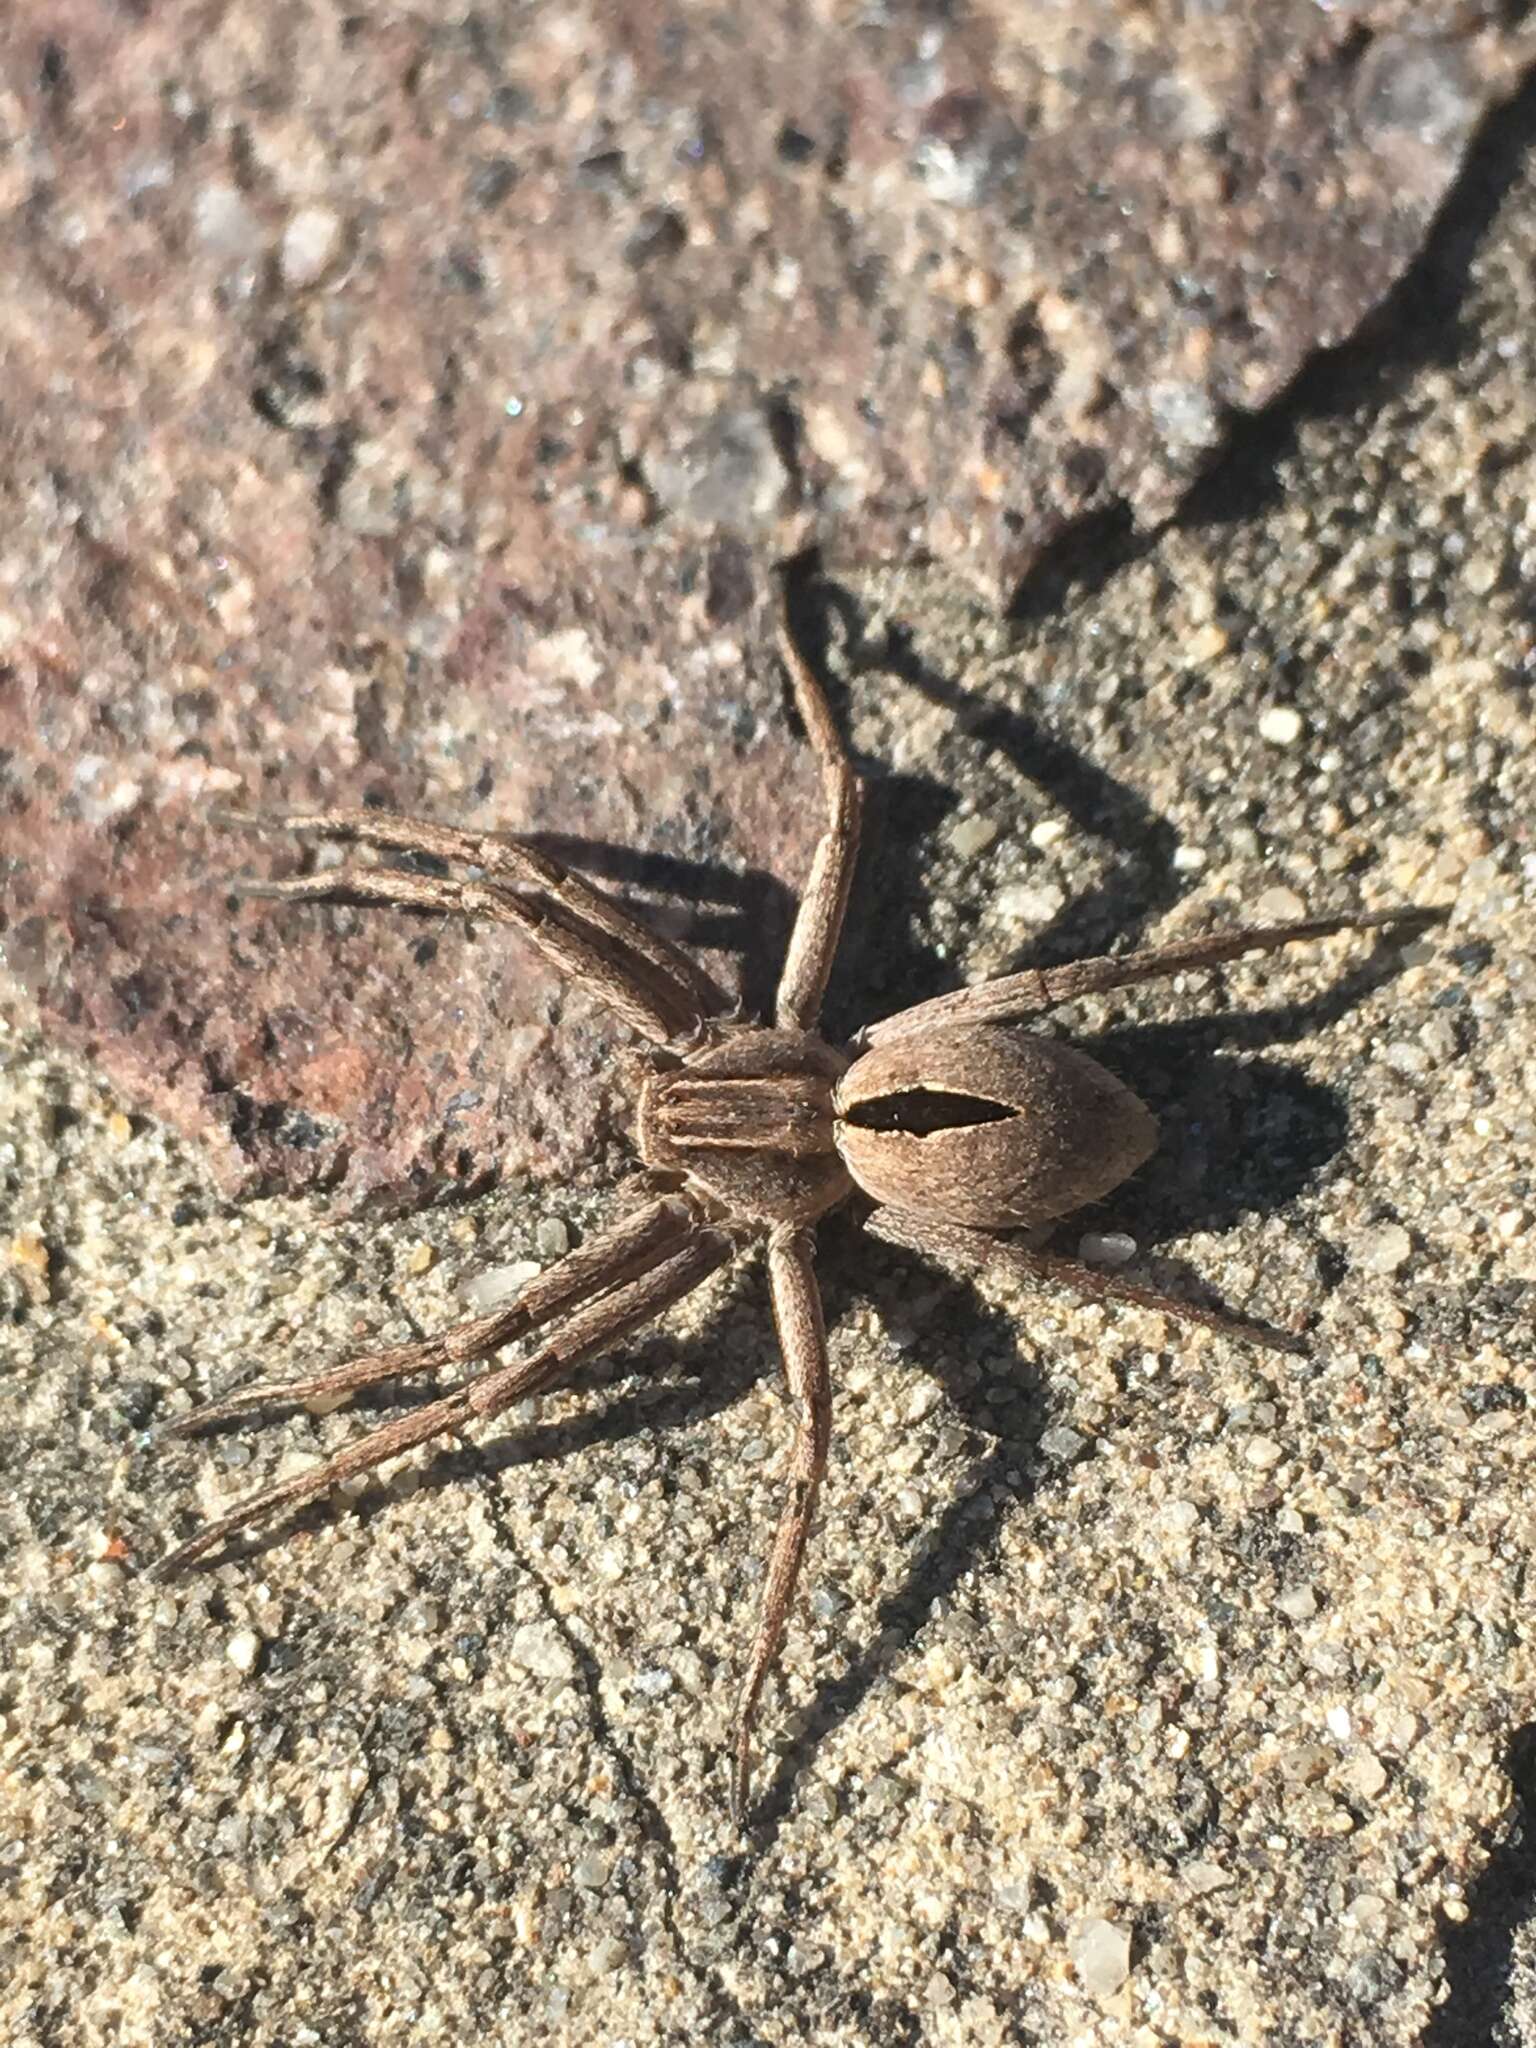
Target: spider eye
[(920, 1112)]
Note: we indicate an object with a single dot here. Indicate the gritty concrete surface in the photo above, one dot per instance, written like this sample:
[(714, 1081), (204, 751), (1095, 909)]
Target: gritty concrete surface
[(1145, 1690)]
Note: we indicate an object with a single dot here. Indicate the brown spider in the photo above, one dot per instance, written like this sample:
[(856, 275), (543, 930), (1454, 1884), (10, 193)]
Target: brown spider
[(954, 1121)]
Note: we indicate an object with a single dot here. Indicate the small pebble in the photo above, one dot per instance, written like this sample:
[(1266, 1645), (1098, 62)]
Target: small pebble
[(493, 1285), (1062, 1443), (552, 1238), (1028, 903), (1384, 1249), (29, 1252), (539, 1647), (309, 245), (972, 836), (1404, 1057), (1047, 832), (1298, 1602), (1209, 643), (821, 1804), (243, 1649), (1482, 573), (1106, 1248), (1101, 1956), (728, 472), (1367, 1912), (419, 1258), (1263, 1452), (1280, 725), (224, 224), (1366, 1775), (1188, 860), (1279, 906)]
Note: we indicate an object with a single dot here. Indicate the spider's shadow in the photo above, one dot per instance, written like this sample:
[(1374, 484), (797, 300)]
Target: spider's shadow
[(684, 1384), (1143, 881), (746, 914), (679, 1385), (903, 813), (1238, 1104), (1237, 1136)]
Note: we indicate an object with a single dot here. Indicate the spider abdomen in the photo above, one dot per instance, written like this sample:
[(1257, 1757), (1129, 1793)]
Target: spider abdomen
[(988, 1126)]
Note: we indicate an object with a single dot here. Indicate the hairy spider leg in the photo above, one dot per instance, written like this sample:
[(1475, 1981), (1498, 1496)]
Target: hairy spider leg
[(586, 960), (974, 1251), (578, 928), (630, 1247), (592, 1328), (818, 924), (505, 857), (803, 1343), (1014, 996)]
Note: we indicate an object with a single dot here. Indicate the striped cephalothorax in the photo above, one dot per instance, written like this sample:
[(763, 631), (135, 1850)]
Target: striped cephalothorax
[(955, 1123)]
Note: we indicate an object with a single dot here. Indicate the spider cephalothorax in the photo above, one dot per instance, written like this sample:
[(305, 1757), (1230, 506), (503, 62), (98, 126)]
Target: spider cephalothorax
[(954, 1122)]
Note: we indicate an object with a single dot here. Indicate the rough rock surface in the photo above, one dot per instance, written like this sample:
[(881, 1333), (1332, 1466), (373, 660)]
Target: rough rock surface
[(408, 409), (1145, 1690)]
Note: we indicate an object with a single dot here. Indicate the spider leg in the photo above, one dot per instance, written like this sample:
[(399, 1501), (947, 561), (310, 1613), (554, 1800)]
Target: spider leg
[(632, 1246), (819, 922), (506, 858), (1022, 995), (653, 1006), (593, 1327), (803, 1342), (972, 1251)]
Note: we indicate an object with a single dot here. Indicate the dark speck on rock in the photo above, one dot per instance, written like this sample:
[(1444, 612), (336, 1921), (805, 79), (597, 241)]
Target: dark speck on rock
[(490, 181), (509, 106), (662, 232), (1492, 1395), (794, 146)]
